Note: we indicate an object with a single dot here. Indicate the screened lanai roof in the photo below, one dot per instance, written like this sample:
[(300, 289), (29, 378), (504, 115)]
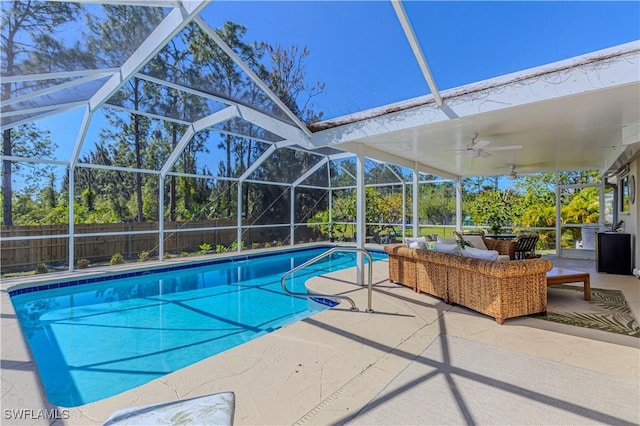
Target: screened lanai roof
[(390, 92)]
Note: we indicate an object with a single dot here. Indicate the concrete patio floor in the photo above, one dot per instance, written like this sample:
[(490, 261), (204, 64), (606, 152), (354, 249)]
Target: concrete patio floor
[(324, 369)]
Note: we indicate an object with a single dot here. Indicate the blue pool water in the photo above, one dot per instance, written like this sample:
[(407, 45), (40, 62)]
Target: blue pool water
[(92, 341)]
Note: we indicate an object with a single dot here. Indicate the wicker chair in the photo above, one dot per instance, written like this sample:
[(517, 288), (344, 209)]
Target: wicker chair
[(526, 245)]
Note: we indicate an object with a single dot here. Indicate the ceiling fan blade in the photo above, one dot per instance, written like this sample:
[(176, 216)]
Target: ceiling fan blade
[(481, 144), (504, 148), (466, 152), (482, 153)]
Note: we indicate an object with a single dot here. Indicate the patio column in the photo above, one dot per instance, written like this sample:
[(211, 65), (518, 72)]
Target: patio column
[(404, 210), (161, 218), (361, 215), (72, 240), (558, 218), (414, 201), (459, 203), (86, 119), (292, 215), (239, 215)]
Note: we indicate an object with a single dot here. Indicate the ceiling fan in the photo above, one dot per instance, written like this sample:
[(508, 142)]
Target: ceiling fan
[(480, 149), (513, 174)]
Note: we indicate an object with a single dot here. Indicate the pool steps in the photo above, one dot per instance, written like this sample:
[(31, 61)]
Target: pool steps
[(329, 252)]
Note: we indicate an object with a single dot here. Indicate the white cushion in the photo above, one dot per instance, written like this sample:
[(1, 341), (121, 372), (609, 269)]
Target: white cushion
[(447, 248), (481, 254), (446, 240), (216, 409), (503, 258), (419, 243), (476, 241)]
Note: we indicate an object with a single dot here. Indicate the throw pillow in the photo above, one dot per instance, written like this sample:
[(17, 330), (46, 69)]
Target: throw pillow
[(476, 241), (419, 242), (447, 248), (481, 254), (445, 240)]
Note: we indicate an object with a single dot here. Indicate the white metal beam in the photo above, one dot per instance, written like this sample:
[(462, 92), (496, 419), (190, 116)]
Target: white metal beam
[(419, 54), (361, 217), (371, 126), (388, 167), (147, 3), (258, 162), (117, 168), (170, 26), (84, 126), (292, 222), (211, 120), (58, 75), (50, 89), (187, 123), (147, 114), (415, 219), (43, 108), (182, 88), (33, 160), (458, 183), (280, 128), (386, 157), (345, 170), (309, 172), (46, 112), (340, 156), (196, 176), (252, 75), (82, 132)]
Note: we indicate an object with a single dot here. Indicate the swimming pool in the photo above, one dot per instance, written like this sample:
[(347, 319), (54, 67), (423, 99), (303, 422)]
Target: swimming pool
[(92, 340)]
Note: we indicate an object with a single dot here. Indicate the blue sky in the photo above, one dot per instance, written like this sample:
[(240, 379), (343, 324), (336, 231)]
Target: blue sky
[(359, 50)]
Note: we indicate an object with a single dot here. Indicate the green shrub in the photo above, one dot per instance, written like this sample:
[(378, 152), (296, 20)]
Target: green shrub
[(116, 259), (267, 245), (255, 245), (83, 263), (184, 253), (234, 246), (41, 268), (221, 249), (143, 256), (205, 248)]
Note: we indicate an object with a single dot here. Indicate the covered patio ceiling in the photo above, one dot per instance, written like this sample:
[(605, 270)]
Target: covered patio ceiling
[(579, 114)]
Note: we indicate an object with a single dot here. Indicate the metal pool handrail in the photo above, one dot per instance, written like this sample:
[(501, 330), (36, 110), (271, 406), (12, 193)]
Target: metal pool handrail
[(335, 296)]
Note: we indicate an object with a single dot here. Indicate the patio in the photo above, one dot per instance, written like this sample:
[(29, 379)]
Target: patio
[(323, 370), (578, 113)]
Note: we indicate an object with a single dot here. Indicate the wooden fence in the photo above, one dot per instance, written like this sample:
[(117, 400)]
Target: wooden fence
[(24, 255)]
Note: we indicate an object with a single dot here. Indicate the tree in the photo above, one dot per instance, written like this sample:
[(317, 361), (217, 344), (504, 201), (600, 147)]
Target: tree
[(29, 141), (437, 203), (112, 41), (494, 208), (225, 79), (28, 29), (287, 80)]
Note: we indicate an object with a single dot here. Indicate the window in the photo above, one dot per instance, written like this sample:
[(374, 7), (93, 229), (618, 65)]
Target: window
[(624, 194)]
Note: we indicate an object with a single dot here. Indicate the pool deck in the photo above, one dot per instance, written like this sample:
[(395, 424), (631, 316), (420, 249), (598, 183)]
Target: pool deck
[(324, 369)]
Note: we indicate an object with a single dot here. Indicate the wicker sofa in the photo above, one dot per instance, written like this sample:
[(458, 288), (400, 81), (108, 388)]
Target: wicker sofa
[(499, 289)]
